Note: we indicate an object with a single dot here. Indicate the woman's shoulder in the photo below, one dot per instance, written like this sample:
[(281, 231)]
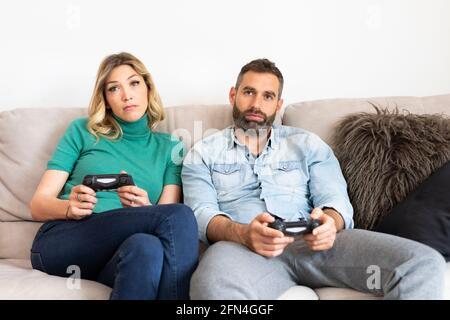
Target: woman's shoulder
[(78, 127), (166, 138), (79, 123)]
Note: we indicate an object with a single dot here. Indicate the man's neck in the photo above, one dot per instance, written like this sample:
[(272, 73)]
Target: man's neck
[(254, 141)]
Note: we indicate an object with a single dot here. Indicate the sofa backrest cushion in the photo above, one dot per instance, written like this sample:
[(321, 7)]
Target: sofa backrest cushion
[(321, 116), (27, 140)]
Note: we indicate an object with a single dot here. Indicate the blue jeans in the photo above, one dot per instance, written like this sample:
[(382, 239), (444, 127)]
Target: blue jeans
[(142, 253)]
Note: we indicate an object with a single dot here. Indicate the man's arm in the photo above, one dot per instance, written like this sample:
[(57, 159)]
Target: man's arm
[(201, 196), (338, 220), (223, 228), (327, 184)]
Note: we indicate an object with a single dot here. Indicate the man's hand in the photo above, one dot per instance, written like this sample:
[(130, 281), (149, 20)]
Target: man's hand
[(322, 237), (263, 240)]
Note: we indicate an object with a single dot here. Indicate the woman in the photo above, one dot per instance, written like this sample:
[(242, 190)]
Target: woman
[(120, 239)]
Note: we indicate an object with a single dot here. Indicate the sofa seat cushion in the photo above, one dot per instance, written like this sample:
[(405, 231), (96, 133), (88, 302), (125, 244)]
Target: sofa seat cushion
[(344, 294), (19, 281), (299, 293)]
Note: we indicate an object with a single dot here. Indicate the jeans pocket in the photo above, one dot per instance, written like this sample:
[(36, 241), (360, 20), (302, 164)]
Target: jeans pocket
[(36, 262)]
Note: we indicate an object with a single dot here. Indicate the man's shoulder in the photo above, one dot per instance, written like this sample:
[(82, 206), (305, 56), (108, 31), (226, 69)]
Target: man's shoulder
[(218, 138), (294, 133)]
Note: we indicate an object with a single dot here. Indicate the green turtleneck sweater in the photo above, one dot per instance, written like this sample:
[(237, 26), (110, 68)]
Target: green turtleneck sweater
[(142, 153)]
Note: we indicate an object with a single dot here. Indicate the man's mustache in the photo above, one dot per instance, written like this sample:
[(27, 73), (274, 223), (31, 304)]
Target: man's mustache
[(256, 111)]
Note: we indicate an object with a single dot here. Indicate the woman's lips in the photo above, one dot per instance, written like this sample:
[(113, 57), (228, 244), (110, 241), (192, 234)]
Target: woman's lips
[(130, 107)]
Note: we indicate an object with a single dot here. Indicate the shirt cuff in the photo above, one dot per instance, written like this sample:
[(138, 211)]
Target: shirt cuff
[(204, 216), (345, 212)]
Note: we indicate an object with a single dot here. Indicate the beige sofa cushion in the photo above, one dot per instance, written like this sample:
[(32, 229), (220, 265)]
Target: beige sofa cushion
[(19, 281), (28, 137), (320, 116)]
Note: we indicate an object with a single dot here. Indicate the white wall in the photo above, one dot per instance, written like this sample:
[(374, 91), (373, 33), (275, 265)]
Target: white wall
[(50, 49)]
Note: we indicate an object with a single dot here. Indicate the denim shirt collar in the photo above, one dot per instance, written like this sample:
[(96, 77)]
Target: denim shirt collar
[(272, 142)]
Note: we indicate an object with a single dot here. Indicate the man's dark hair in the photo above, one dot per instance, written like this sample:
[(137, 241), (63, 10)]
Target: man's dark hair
[(261, 66)]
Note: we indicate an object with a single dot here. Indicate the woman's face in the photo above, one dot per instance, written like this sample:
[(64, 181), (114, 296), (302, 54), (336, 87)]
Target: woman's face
[(126, 93)]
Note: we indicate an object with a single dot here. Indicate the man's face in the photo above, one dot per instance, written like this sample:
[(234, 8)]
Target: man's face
[(255, 102)]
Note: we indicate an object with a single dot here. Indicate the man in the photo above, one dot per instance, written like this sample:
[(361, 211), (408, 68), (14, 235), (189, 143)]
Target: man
[(236, 179)]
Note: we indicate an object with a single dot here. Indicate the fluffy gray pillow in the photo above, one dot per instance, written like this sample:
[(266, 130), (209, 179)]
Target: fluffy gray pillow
[(386, 155)]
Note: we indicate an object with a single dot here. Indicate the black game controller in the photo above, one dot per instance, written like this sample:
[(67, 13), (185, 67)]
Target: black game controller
[(100, 182), (294, 228)]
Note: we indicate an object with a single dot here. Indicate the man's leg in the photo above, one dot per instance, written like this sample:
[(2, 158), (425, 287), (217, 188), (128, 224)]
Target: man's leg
[(372, 262), (231, 271)]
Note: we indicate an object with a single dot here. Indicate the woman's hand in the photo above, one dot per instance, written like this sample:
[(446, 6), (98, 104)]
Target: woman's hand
[(132, 196), (82, 200)]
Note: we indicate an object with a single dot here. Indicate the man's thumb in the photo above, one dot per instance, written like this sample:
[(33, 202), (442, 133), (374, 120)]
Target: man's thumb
[(316, 213)]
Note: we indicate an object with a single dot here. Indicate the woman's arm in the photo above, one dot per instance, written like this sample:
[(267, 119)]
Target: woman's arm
[(45, 204), (171, 194)]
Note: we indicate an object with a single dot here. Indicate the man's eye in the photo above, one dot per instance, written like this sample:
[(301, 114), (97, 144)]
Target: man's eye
[(268, 97), (135, 83), (247, 93)]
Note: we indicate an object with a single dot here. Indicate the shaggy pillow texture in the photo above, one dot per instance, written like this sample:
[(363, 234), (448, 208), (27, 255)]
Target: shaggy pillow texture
[(386, 155)]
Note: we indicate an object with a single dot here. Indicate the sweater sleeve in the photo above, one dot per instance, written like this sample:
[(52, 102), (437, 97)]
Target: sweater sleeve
[(68, 148), (172, 174)]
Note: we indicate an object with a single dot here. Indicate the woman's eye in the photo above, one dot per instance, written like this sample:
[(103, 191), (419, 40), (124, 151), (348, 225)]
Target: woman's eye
[(135, 83), (113, 89)]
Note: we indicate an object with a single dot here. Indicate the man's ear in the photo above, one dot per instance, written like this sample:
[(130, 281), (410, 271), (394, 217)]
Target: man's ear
[(279, 104), (232, 96)]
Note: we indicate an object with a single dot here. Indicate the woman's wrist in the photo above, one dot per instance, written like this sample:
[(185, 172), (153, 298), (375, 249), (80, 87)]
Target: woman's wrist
[(67, 210)]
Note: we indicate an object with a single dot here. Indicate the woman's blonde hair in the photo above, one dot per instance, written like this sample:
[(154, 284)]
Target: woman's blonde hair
[(101, 122)]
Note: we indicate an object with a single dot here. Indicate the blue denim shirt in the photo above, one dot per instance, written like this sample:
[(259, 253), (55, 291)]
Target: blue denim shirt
[(295, 173)]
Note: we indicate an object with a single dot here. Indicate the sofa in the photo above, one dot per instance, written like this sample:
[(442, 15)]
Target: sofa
[(28, 137)]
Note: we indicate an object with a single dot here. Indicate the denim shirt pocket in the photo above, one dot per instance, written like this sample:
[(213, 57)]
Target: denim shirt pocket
[(289, 174), (226, 176)]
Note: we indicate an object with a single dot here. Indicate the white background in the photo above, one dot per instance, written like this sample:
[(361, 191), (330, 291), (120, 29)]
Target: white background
[(50, 49)]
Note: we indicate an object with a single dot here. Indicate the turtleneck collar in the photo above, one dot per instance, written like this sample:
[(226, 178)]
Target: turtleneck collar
[(135, 129)]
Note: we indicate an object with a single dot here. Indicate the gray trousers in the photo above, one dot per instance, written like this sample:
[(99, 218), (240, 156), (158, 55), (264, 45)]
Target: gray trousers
[(367, 261)]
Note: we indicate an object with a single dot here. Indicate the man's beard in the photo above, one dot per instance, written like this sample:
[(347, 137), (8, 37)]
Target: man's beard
[(252, 127)]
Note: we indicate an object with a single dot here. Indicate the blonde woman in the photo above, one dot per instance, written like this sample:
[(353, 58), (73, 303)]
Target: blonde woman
[(137, 240)]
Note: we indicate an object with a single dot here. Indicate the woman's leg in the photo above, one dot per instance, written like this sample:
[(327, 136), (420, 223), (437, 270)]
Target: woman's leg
[(138, 260), (91, 243)]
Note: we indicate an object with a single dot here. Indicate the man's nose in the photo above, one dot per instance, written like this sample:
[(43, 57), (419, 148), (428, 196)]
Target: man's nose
[(257, 101)]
